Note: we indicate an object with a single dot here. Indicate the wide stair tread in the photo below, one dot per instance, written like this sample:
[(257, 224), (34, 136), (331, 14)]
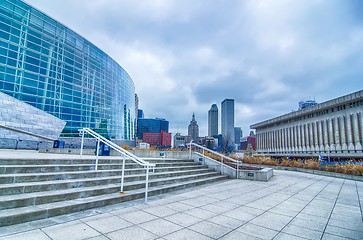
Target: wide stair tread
[(31, 187), (29, 213)]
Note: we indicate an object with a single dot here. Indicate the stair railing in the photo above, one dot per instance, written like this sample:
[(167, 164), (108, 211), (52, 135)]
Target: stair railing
[(222, 161), (123, 152)]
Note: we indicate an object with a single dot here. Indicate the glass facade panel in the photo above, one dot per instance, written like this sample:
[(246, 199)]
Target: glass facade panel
[(49, 66)]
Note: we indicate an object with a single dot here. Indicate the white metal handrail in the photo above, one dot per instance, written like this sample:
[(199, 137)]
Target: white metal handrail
[(235, 162), (123, 152)]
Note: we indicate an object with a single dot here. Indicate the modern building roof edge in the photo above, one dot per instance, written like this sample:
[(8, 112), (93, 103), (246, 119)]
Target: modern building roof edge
[(319, 107)]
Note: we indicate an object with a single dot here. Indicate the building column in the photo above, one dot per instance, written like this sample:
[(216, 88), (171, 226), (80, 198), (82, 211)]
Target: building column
[(320, 136), (349, 131), (337, 137), (357, 144), (303, 140), (311, 137), (299, 138), (331, 133), (325, 135), (343, 133)]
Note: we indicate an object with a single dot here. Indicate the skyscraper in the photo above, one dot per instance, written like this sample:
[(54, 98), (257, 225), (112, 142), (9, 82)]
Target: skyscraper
[(213, 120), (237, 135), (193, 129), (227, 120)]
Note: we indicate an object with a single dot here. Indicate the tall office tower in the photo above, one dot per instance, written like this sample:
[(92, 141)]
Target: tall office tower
[(237, 135), (193, 129), (213, 121), (227, 119)]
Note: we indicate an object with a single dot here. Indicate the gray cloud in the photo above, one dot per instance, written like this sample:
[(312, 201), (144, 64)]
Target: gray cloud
[(185, 55)]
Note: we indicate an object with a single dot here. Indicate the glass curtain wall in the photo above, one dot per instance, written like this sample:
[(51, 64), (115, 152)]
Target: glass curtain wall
[(49, 66)]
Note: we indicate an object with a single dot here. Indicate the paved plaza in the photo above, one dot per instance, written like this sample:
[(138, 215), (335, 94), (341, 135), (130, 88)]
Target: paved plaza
[(290, 206)]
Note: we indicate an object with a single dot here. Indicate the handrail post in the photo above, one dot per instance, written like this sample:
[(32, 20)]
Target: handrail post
[(147, 183), (203, 156), (190, 149), (237, 167), (82, 143), (97, 152), (123, 172)]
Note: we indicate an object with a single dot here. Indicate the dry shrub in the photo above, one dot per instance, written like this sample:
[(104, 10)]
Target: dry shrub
[(126, 147), (312, 164)]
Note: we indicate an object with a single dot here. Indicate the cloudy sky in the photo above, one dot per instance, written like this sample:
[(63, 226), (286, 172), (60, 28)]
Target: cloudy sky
[(185, 55)]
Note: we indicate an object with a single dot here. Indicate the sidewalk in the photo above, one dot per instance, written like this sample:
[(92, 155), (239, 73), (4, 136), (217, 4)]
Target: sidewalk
[(290, 206)]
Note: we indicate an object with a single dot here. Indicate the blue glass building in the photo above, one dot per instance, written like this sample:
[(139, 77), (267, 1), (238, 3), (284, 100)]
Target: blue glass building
[(46, 64), (151, 126)]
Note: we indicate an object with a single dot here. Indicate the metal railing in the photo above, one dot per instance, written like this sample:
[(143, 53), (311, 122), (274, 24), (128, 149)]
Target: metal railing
[(223, 159), (122, 151)]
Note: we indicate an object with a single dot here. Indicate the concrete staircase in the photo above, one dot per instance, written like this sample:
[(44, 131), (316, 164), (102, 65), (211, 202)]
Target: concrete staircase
[(32, 189)]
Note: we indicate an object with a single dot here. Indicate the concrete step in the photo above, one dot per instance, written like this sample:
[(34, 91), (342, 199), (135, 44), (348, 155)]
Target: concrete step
[(29, 199), (30, 213), (10, 169), (48, 176), (66, 161), (32, 187)]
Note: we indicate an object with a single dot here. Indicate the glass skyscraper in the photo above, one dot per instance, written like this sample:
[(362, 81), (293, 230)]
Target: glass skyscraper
[(49, 66), (227, 121), (213, 121)]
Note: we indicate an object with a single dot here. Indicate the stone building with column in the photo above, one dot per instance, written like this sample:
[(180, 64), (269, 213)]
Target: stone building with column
[(333, 128)]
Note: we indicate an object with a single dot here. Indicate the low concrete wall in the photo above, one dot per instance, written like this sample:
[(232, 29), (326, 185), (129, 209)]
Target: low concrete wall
[(139, 153), (256, 175), (160, 154)]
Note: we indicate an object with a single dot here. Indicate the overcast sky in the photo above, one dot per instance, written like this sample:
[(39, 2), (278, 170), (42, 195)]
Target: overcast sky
[(184, 55)]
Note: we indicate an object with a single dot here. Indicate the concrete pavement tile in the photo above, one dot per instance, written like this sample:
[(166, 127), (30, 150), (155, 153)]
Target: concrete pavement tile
[(328, 236), (122, 211), (200, 213), (286, 236), (226, 221), (227, 205), (239, 215), (317, 212), (258, 231), (284, 211), (131, 233), (210, 229), (235, 235), (347, 224), (138, 217), (353, 217), (106, 223), (186, 234), (249, 210), (302, 232), (215, 208), (178, 206), (160, 211), (160, 227), (272, 221), (72, 230), (183, 219), (100, 237), (342, 232), (306, 223), (312, 218), (30, 235)]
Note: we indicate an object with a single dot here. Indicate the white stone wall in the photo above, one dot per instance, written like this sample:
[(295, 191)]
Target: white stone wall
[(335, 127), (19, 115)]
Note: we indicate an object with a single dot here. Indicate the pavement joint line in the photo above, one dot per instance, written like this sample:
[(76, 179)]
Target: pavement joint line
[(297, 182), (331, 212), (306, 206), (360, 206)]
